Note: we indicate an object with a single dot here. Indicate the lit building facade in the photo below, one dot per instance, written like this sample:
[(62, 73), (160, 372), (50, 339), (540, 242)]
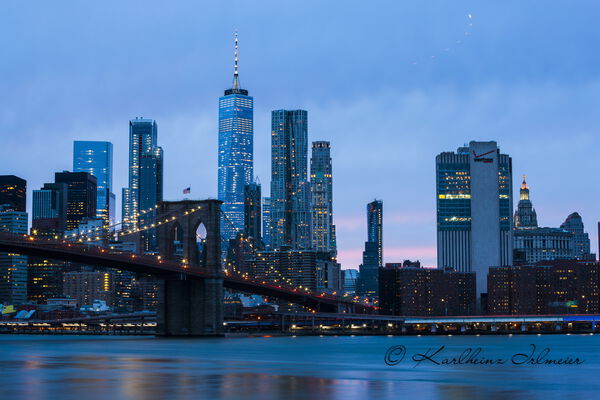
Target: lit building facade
[(13, 191), (474, 210), (145, 179), (252, 212), (88, 286), (13, 267), (532, 243), (290, 191), (548, 287), (49, 210), (321, 186), (96, 158), (373, 253), (266, 221), (236, 152), (411, 290), (81, 196)]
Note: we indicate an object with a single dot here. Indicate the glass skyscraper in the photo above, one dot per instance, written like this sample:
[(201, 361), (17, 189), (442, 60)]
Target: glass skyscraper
[(13, 267), (290, 190), (321, 186), (96, 158), (373, 253), (145, 178), (235, 171), (474, 210), (81, 196)]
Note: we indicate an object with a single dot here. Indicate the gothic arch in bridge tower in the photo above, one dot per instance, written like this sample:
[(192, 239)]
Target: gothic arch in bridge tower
[(191, 306)]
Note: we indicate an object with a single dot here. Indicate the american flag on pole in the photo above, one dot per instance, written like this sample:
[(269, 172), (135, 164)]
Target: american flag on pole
[(187, 190)]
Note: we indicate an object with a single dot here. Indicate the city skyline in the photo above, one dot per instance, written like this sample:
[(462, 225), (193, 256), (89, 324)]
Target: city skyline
[(561, 188)]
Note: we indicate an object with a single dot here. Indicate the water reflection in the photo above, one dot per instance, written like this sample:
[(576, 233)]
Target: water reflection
[(345, 368)]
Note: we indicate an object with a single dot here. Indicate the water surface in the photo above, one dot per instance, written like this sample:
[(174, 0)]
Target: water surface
[(110, 368)]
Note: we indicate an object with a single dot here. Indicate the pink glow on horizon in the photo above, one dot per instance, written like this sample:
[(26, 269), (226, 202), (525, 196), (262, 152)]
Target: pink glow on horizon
[(352, 258)]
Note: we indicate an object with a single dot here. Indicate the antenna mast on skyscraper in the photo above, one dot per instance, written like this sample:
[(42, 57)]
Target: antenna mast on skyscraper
[(236, 84)]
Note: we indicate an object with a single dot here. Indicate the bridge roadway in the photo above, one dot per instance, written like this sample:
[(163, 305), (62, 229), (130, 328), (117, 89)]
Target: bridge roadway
[(160, 268)]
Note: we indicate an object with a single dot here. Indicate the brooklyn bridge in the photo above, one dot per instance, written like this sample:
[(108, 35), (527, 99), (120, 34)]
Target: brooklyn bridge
[(191, 282)]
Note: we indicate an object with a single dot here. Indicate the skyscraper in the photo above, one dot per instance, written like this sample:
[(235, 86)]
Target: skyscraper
[(375, 227), (13, 267), (252, 212), (373, 253), (525, 216), (574, 224), (236, 152), (323, 230), (145, 178), (49, 211), (81, 196), (474, 210), (290, 190), (531, 243), (96, 158), (12, 192), (266, 222)]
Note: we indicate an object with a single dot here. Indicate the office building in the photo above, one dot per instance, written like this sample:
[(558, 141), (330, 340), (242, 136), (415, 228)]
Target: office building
[(321, 186), (373, 253), (96, 158), (81, 196), (145, 180), (474, 210), (532, 243), (302, 269), (266, 222), (290, 191), (252, 212), (574, 224), (350, 281), (13, 267), (235, 169), (49, 210), (13, 191)]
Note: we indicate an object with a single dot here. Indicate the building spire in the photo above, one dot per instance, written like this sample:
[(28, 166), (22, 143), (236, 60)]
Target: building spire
[(524, 185), (236, 83)]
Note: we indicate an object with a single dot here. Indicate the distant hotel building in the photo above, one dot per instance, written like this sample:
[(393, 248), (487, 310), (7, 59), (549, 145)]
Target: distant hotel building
[(236, 152), (411, 290), (474, 210), (145, 179), (96, 158), (290, 191), (321, 186)]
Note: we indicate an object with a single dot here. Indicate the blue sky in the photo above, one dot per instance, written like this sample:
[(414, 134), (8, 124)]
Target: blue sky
[(389, 83)]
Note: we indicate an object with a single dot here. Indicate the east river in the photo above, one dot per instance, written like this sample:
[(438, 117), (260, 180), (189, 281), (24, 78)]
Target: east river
[(307, 367)]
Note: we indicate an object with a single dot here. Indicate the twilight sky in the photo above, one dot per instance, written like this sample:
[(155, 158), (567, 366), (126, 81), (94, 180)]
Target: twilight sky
[(390, 84)]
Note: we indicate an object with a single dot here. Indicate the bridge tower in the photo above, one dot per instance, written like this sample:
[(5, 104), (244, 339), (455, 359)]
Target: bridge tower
[(187, 306)]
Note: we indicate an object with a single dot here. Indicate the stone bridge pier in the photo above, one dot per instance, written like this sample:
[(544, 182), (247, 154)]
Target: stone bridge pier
[(189, 306)]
